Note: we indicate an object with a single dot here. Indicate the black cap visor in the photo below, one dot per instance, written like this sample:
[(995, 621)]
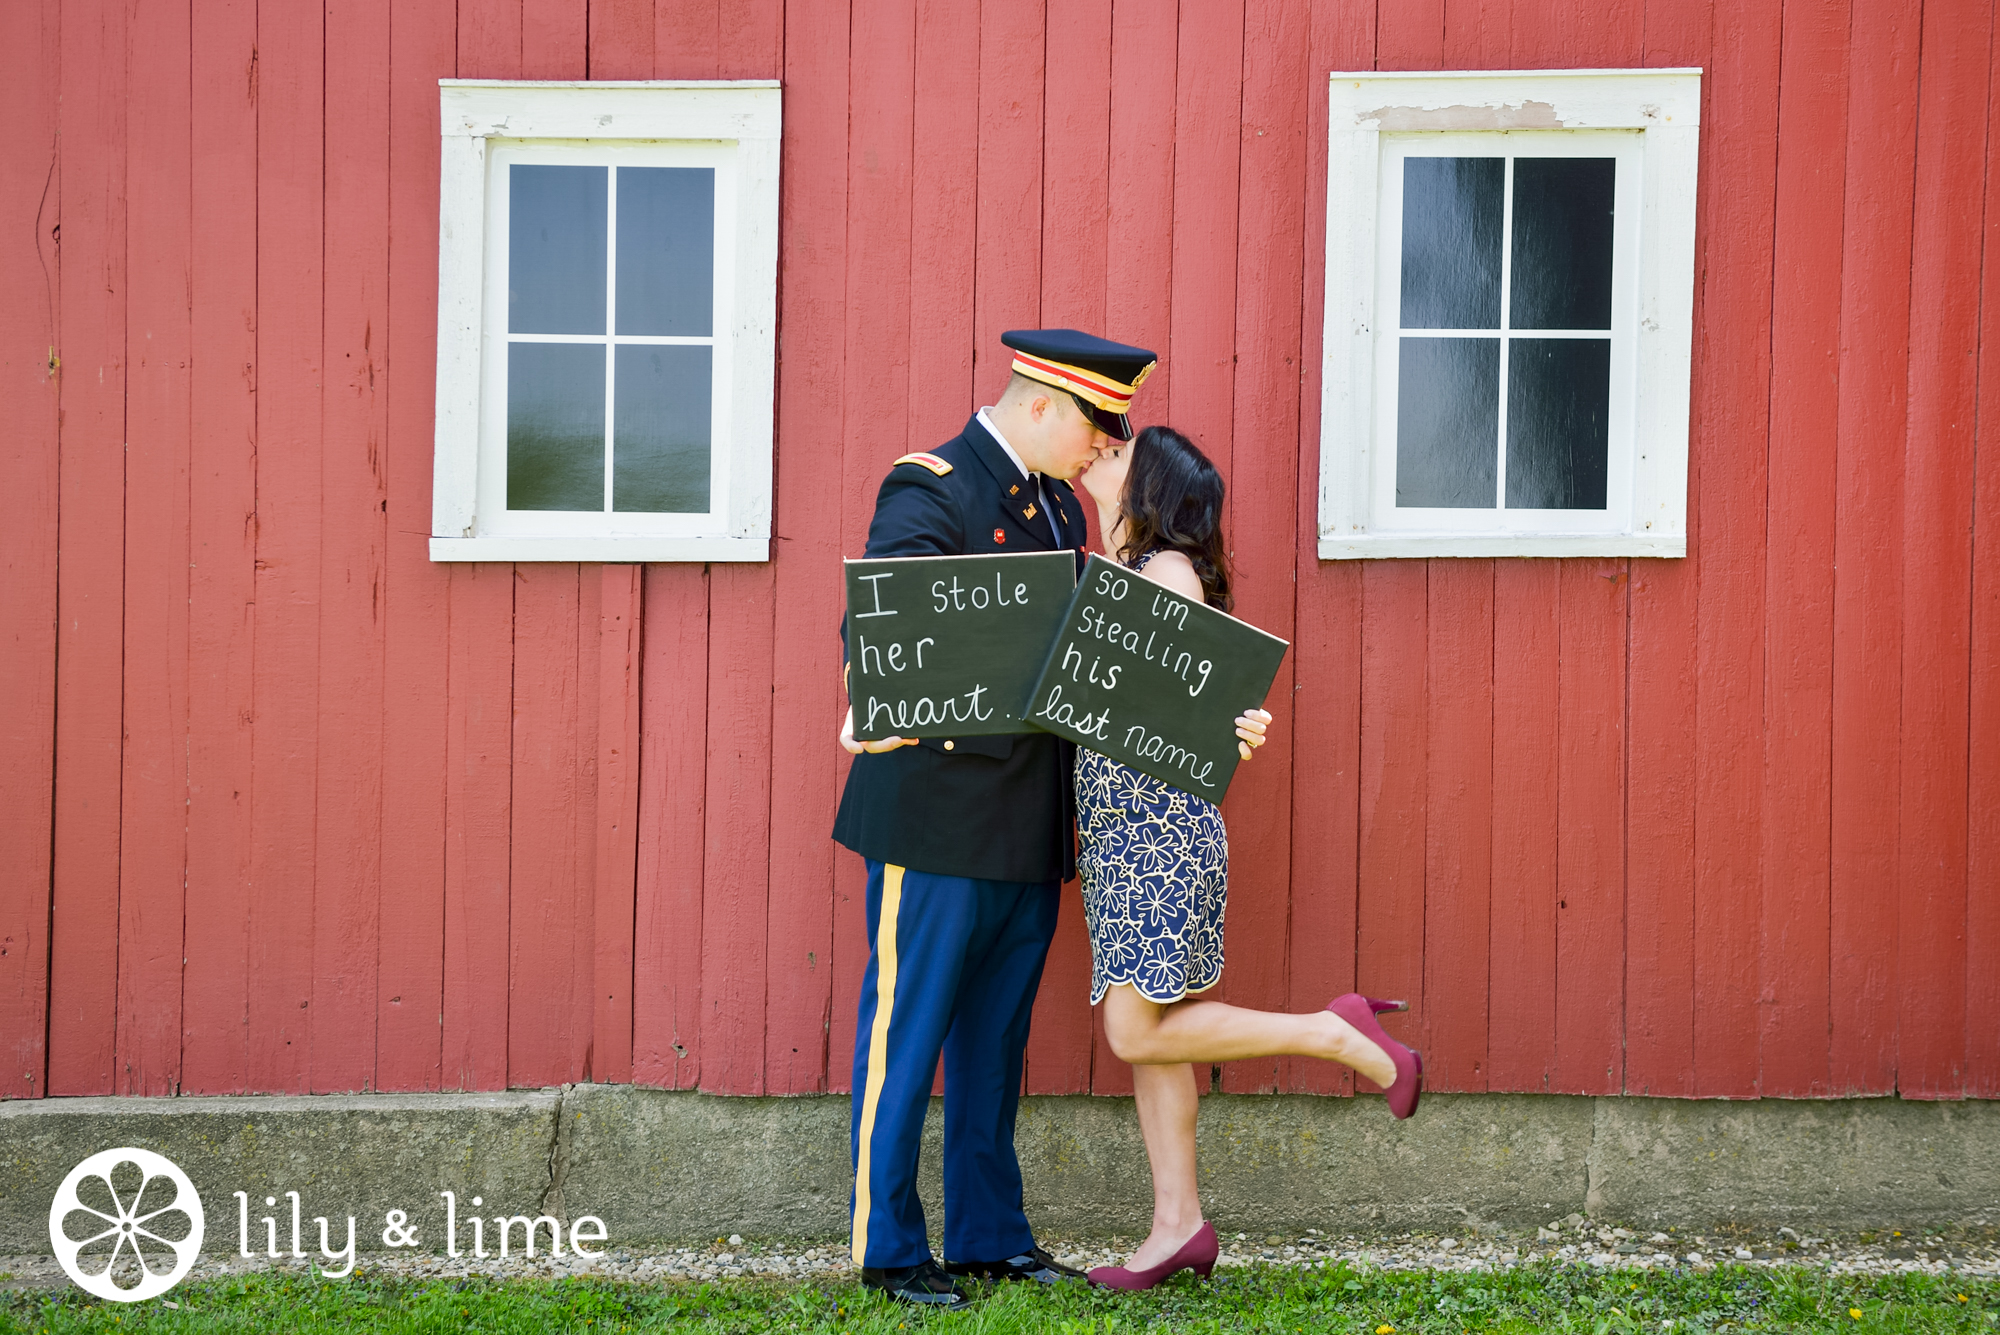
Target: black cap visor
[(1114, 425)]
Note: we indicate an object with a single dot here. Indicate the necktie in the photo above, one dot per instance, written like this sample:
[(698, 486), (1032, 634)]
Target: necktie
[(1042, 499)]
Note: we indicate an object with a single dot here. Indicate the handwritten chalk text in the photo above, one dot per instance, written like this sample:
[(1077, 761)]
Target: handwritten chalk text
[(926, 712), (1057, 711), (958, 598), (1152, 746)]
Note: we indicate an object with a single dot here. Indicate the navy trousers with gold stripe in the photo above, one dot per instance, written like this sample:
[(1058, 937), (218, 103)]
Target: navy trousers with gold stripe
[(954, 965)]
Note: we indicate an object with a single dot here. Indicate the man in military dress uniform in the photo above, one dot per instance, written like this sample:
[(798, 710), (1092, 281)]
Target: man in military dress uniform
[(968, 841)]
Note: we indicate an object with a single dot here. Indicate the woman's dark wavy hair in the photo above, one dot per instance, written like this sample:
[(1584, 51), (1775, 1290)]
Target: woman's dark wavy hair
[(1173, 498)]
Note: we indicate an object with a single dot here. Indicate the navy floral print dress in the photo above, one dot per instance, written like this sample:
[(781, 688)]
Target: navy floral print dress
[(1155, 867)]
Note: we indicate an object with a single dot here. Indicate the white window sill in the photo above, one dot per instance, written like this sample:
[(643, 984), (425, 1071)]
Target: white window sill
[(618, 550), (1370, 546)]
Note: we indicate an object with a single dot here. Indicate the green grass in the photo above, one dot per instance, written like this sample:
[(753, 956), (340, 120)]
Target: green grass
[(1264, 1299)]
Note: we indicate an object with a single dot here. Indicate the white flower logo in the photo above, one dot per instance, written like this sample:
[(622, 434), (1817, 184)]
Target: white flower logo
[(126, 1215)]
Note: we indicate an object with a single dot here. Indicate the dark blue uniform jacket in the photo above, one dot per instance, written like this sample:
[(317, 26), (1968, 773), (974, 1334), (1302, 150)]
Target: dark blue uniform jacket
[(991, 808)]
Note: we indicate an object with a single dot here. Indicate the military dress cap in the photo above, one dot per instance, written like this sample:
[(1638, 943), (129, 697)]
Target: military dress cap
[(1101, 375)]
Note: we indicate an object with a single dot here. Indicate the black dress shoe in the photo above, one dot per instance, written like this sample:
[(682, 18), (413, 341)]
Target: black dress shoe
[(1034, 1265), (923, 1285)]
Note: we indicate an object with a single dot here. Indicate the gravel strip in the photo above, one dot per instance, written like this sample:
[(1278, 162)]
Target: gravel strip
[(1974, 1253)]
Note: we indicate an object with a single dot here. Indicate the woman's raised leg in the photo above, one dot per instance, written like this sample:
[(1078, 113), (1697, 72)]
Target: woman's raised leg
[(1146, 1033)]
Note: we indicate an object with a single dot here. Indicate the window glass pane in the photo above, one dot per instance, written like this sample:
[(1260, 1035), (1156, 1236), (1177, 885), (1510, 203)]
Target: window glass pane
[(666, 251), (1451, 242), (660, 457), (1562, 243), (555, 426), (1558, 411), (556, 249), (1447, 422)]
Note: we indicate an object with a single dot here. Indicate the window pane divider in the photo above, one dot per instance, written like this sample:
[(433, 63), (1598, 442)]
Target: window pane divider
[(1506, 323), (696, 340), (610, 328), (1499, 333)]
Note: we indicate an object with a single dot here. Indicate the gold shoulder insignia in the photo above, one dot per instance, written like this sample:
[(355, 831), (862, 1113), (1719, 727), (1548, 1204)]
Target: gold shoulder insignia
[(930, 461)]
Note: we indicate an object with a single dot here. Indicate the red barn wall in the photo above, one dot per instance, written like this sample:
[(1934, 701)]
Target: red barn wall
[(286, 807)]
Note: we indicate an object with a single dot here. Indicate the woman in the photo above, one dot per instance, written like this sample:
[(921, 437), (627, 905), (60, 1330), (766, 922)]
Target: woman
[(1154, 862)]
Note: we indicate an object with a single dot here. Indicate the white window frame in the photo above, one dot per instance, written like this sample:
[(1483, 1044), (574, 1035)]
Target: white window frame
[(732, 125), (1371, 116)]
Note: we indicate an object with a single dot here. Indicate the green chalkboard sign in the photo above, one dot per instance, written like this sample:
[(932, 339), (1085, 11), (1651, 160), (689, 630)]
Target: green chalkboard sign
[(1153, 679), (950, 645)]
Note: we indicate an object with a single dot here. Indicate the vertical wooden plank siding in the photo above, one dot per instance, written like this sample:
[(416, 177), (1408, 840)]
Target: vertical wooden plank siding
[(1458, 823), (736, 853), (479, 805), (1874, 377), (736, 859), (83, 963), (1263, 482), (28, 474), (1659, 835), (673, 720), (290, 807), (1982, 855), (687, 38), (752, 40), (609, 1059), (1522, 1038), (812, 941), (800, 916), (1937, 550), (805, 666), (1727, 487), (354, 494), (1794, 968), (1326, 685), (1389, 921), (621, 39), (416, 606), (554, 38), (285, 688), (152, 827), (543, 892), (1007, 261), (222, 555), (1590, 845)]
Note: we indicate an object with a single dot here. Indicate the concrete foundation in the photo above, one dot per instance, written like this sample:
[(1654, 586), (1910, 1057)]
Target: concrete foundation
[(656, 1165)]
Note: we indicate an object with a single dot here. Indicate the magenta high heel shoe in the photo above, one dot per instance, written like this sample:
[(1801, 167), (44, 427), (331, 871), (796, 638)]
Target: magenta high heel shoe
[(1198, 1254), (1360, 1012)]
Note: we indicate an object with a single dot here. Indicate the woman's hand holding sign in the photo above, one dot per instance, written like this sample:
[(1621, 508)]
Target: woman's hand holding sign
[(1250, 728)]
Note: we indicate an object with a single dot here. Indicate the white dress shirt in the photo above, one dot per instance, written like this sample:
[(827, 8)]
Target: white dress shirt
[(1034, 479)]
